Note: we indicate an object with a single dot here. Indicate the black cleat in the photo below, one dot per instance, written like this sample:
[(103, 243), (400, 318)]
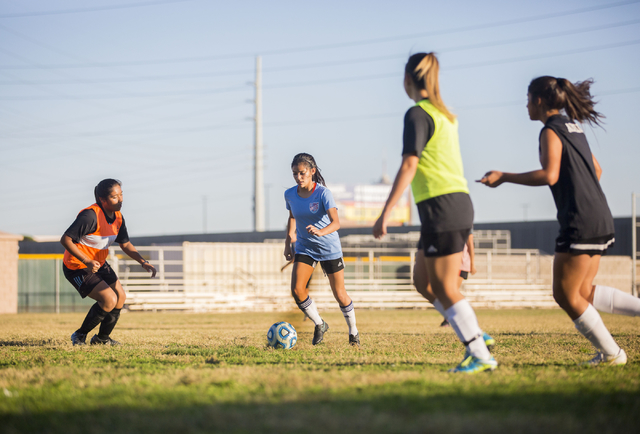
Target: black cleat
[(319, 332), (354, 341), (445, 323), (97, 340), (78, 338)]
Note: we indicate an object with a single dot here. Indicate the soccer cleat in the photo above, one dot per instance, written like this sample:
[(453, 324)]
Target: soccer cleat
[(95, 340), (473, 365), (445, 323), (354, 340), (78, 338), (488, 341), (319, 332), (602, 359)]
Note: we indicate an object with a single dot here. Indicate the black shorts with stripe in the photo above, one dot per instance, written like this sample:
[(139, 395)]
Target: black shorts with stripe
[(329, 267), (84, 282), (591, 246)]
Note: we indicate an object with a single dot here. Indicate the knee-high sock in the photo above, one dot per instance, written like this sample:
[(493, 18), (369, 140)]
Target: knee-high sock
[(94, 317), (612, 300), (590, 325), (350, 316), (440, 308), (311, 310), (465, 323), (108, 323)]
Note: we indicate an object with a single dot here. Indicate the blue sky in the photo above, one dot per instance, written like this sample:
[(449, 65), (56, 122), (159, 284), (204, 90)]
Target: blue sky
[(157, 94)]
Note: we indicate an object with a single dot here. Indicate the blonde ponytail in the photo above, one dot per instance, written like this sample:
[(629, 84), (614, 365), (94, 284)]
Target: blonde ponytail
[(424, 70)]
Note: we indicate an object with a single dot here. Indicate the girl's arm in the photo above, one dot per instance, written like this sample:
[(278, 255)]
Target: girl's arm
[(131, 251), (67, 242), (550, 157), (291, 237), (331, 227), (597, 167), (403, 178)]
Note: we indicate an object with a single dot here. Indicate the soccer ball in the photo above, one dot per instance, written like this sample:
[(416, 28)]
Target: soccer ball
[(282, 335)]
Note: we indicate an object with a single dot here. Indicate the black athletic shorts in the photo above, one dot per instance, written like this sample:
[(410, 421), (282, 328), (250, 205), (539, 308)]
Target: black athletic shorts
[(443, 243), (84, 282), (329, 267), (464, 274), (591, 247), (446, 223)]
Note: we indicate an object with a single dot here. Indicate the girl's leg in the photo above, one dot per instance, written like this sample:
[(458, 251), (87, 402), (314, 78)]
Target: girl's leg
[(444, 274), (336, 280), (612, 300), (300, 276), (106, 300), (422, 284), (111, 319), (573, 278)]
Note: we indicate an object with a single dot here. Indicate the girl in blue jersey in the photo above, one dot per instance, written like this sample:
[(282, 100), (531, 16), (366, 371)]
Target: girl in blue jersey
[(586, 225), (312, 237)]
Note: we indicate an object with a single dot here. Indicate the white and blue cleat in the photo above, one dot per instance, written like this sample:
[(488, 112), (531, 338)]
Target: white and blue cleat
[(473, 365)]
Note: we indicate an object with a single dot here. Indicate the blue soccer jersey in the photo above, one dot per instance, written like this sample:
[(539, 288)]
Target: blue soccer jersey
[(313, 211)]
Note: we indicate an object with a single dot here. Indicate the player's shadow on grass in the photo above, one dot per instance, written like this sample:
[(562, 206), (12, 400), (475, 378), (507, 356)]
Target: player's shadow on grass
[(365, 409)]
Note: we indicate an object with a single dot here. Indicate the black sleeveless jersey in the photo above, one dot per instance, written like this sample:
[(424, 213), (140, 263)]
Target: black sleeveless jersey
[(583, 211)]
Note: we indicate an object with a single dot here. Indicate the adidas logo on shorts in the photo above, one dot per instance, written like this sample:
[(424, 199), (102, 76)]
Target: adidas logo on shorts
[(432, 249)]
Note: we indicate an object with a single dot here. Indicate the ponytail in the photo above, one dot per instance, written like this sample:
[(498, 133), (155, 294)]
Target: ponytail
[(310, 162), (103, 189), (560, 94), (424, 69)]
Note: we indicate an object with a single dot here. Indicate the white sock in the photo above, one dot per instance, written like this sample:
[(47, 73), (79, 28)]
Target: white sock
[(310, 310), (465, 323), (440, 308), (350, 316), (591, 326), (612, 300)]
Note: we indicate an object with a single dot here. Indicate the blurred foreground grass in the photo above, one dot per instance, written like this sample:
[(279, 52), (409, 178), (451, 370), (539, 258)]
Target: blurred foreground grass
[(197, 373)]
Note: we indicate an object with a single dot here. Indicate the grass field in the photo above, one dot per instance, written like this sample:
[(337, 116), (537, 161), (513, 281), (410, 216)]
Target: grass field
[(197, 373)]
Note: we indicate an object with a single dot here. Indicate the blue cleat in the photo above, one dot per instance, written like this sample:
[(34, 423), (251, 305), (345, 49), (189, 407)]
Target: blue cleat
[(488, 341), (473, 365)]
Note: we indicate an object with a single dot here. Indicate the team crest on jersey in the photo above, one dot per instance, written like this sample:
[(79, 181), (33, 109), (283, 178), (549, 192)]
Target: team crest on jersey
[(314, 207)]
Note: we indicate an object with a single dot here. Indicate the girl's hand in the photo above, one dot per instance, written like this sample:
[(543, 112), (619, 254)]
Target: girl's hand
[(380, 227), (474, 270), (288, 254), (150, 268), (492, 179), (314, 231), (92, 266)]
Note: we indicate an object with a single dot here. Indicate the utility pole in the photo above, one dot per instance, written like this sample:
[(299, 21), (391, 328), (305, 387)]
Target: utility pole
[(258, 189), (204, 214)]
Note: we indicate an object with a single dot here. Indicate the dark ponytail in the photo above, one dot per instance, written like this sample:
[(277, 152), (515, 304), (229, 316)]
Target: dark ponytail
[(560, 94), (103, 189), (308, 160)]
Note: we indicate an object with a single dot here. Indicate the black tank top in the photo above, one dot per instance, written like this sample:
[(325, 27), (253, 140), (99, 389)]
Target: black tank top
[(583, 211)]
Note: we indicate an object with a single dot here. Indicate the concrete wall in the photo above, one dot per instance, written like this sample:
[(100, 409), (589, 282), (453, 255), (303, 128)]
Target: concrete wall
[(9, 272)]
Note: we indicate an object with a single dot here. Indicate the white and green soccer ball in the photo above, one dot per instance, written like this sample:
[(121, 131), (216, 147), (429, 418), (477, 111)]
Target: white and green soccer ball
[(282, 335)]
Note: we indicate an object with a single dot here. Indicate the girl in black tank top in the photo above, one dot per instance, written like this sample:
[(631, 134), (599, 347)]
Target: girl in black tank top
[(586, 225)]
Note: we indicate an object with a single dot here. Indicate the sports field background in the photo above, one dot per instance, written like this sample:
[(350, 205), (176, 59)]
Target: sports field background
[(197, 373)]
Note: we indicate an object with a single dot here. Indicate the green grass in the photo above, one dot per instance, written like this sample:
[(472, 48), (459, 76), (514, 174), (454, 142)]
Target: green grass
[(197, 373)]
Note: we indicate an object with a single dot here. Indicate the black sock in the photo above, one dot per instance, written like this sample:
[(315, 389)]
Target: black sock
[(108, 323), (93, 318)]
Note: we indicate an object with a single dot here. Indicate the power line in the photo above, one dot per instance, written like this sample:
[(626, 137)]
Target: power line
[(323, 82), (90, 9), (336, 45), (324, 64)]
